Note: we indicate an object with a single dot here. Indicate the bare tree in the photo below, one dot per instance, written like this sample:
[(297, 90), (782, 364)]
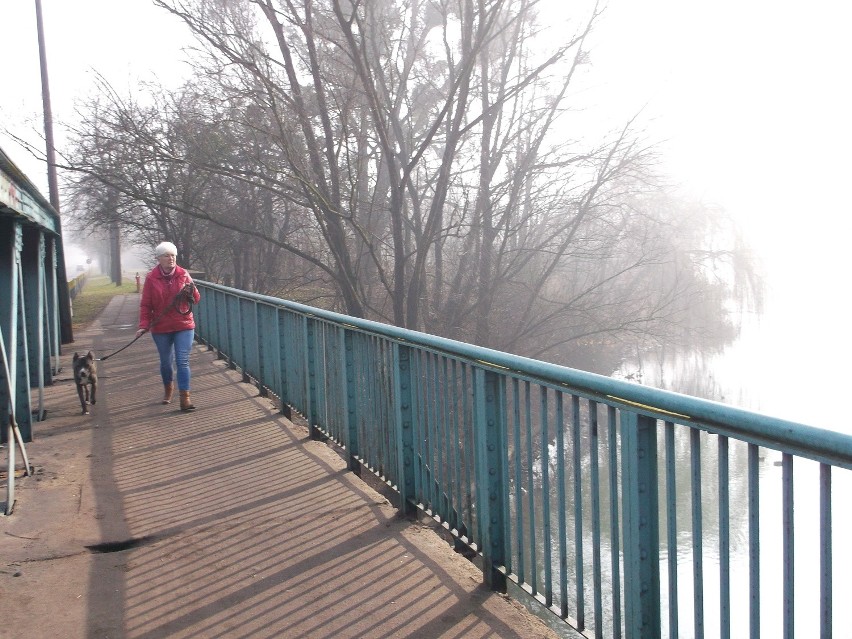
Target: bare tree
[(411, 162)]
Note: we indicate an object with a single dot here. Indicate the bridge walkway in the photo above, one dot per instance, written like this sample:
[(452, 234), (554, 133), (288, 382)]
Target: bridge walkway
[(142, 521)]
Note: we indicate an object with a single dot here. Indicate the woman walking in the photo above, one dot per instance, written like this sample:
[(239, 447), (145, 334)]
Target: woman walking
[(166, 312)]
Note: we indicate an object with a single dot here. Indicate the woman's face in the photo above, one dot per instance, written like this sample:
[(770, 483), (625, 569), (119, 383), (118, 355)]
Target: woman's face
[(167, 261)]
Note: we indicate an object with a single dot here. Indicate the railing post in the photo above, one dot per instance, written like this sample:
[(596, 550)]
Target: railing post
[(283, 357), (311, 381), (350, 398), (18, 346), (205, 320), (404, 416), (489, 432), (53, 303), (32, 289), (244, 351), (640, 511), (266, 342), (219, 308), (233, 325), (8, 328)]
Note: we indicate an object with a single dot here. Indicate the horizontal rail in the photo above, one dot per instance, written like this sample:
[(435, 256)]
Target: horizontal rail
[(810, 442)]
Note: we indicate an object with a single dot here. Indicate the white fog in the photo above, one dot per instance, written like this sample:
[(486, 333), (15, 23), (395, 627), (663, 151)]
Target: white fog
[(748, 101)]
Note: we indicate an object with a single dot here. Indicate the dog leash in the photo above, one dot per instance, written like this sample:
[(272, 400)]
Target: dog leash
[(185, 293)]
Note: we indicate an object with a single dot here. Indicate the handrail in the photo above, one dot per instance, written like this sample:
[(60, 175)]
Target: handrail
[(815, 443), (570, 487)]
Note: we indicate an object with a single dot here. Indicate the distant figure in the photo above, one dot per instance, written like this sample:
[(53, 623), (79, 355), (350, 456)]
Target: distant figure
[(138, 282), (166, 311)]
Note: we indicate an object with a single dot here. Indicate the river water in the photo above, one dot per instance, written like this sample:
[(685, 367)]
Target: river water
[(792, 362)]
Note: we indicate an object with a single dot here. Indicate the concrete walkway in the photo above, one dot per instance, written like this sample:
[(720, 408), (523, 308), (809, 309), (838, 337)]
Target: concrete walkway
[(142, 521)]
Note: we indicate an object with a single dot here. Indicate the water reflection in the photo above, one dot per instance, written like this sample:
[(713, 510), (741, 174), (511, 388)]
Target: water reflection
[(699, 376)]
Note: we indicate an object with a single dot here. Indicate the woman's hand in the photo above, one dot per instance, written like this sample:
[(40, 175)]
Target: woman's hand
[(188, 292), (141, 332)]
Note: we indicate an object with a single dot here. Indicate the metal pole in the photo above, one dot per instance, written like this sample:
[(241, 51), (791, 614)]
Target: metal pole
[(48, 114)]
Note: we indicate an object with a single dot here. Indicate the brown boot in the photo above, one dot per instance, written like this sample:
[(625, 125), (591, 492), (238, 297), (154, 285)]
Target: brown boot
[(170, 390), (185, 403)]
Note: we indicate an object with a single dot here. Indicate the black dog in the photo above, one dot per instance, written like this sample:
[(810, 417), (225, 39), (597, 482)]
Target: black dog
[(85, 375)]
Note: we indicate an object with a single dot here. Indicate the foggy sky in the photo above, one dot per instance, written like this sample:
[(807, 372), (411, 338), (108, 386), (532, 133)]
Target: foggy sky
[(750, 99)]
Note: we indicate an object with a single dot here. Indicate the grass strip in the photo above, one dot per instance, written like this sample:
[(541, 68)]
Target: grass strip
[(96, 294)]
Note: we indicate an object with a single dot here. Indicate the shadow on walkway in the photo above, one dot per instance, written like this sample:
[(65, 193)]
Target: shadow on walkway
[(143, 521)]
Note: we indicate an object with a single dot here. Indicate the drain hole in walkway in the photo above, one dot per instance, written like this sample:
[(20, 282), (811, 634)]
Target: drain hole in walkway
[(118, 546)]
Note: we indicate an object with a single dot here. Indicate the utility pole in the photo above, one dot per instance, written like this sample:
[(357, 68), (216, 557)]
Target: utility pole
[(48, 114), (65, 328)]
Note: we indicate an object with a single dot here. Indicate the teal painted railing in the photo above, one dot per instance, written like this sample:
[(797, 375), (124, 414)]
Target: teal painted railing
[(619, 509), (35, 315)]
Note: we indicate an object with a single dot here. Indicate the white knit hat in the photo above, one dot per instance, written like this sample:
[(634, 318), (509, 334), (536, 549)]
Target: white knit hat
[(165, 248)]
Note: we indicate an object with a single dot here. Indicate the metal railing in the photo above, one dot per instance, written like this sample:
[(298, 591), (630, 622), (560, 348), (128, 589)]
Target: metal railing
[(622, 510), (35, 317), (75, 286)]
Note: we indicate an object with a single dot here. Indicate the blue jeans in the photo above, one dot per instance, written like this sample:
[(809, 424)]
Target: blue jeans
[(174, 349)]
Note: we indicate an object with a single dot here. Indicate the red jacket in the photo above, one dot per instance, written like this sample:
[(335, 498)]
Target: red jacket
[(158, 294)]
